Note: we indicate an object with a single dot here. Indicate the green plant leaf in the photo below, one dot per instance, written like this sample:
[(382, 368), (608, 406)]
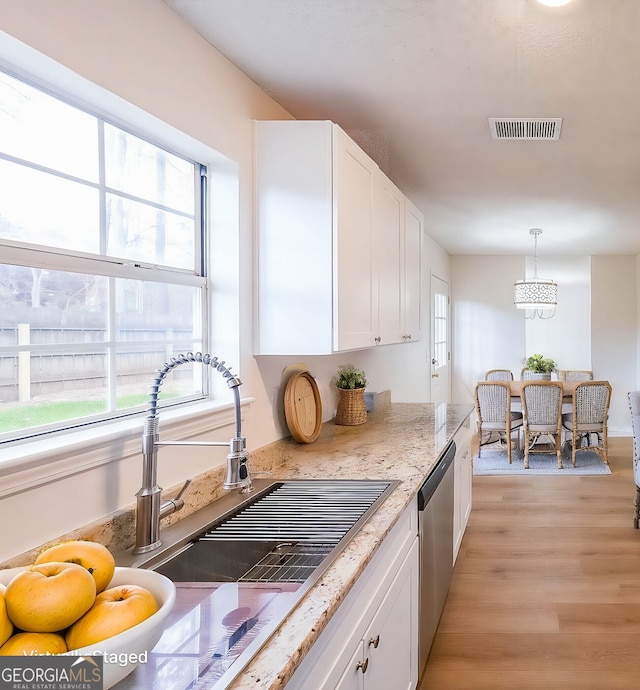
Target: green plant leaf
[(349, 377)]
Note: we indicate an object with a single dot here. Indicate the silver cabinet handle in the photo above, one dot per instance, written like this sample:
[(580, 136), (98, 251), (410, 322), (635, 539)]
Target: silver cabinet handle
[(363, 665), (374, 642), (378, 339)]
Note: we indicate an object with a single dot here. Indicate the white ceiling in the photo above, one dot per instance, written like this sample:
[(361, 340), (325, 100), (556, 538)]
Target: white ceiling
[(414, 82)]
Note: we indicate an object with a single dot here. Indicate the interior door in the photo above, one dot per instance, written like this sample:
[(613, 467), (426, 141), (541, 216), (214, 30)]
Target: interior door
[(440, 349)]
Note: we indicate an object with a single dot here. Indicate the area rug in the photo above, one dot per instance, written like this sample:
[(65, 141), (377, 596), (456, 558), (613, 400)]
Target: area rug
[(494, 461)]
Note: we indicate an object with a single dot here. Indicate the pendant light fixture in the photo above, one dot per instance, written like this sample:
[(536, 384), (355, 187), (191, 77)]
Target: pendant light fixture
[(538, 296)]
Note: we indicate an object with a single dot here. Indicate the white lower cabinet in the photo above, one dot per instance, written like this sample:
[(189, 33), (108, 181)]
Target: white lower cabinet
[(463, 478), (371, 643), (382, 659)]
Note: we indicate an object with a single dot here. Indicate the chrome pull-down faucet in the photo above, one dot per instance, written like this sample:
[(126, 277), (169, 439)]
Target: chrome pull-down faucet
[(149, 509)]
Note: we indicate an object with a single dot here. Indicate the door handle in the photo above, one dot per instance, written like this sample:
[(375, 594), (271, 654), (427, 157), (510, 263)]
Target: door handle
[(435, 376)]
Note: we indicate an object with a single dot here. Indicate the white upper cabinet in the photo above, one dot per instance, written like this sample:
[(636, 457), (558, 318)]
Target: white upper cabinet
[(315, 283), (331, 244), (412, 266), (398, 228), (354, 295), (388, 220)]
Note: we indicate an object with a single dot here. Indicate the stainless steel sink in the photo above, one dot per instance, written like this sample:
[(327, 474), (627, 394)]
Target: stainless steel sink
[(289, 531), (222, 562), (282, 537)]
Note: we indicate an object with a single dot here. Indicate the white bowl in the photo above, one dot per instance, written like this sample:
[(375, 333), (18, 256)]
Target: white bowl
[(133, 642)]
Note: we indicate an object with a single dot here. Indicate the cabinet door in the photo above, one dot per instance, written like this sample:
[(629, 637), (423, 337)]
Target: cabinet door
[(390, 643), (457, 511), (355, 299), (354, 676), (388, 208), (332, 662), (387, 657), (466, 477), (294, 218), (413, 228), (463, 481)]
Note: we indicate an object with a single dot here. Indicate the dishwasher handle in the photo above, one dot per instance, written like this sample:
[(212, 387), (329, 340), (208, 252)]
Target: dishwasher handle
[(435, 477)]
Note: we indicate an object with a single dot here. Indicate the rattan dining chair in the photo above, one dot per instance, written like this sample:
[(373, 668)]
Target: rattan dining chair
[(526, 374), (588, 418), (494, 415), (634, 406), (578, 375), (542, 416), (499, 375)]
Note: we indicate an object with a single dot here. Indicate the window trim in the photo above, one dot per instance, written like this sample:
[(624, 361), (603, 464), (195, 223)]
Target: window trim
[(30, 464), (52, 258)]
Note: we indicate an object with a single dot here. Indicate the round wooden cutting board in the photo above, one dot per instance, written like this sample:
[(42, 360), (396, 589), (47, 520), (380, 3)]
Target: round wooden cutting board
[(303, 407)]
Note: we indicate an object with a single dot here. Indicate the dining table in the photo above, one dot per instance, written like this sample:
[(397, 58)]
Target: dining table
[(567, 388)]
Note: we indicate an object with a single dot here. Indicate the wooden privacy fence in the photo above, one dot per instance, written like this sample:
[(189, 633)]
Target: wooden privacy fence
[(79, 359)]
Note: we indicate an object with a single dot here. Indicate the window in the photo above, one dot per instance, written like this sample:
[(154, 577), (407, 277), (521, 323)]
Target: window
[(440, 325), (102, 269)]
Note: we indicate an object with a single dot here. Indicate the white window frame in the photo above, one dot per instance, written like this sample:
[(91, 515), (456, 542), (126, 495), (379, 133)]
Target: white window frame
[(33, 462)]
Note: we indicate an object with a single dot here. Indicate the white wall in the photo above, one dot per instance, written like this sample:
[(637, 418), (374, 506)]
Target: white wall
[(488, 332), (147, 56), (566, 338), (614, 332)]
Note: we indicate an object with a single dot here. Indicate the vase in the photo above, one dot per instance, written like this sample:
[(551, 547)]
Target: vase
[(540, 376), (351, 407)]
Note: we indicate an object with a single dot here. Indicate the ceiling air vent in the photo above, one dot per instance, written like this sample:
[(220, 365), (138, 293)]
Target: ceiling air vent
[(531, 128)]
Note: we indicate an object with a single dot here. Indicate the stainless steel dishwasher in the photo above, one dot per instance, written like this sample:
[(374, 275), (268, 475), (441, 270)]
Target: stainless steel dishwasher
[(435, 531)]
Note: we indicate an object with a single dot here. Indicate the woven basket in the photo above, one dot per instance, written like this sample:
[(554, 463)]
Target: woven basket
[(351, 408)]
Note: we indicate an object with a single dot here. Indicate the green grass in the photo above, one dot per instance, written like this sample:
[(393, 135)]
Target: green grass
[(42, 413)]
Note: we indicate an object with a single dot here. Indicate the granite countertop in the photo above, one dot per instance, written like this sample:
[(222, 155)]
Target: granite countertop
[(401, 441)]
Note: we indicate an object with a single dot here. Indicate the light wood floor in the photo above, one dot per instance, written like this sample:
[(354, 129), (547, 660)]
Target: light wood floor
[(546, 589)]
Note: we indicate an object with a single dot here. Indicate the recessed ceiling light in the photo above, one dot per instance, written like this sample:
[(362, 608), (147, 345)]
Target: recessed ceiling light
[(554, 3)]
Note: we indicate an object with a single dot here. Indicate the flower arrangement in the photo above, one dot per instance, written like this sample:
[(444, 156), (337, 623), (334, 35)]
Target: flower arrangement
[(540, 364), (350, 378)]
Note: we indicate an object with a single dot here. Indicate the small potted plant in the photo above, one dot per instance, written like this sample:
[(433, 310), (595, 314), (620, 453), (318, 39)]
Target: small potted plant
[(351, 383), (541, 366)]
